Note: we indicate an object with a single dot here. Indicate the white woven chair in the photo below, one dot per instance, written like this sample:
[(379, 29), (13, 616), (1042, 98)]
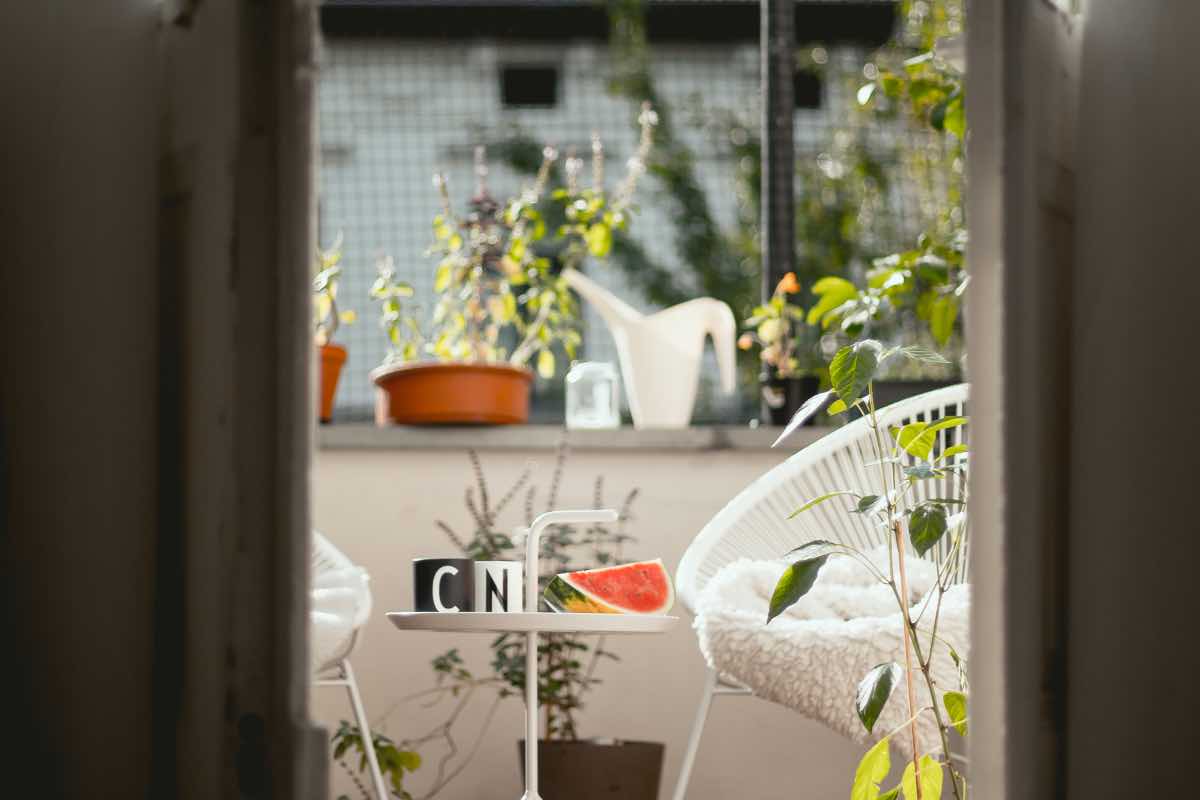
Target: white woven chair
[(340, 606), (755, 524)]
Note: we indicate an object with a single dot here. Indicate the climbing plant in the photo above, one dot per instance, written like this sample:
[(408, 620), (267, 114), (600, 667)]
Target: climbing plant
[(916, 82)]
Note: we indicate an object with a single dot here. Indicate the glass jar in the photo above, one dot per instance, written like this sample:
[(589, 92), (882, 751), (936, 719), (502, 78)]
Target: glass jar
[(593, 399)]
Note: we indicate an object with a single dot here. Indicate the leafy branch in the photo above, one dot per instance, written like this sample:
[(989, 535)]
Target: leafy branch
[(905, 457)]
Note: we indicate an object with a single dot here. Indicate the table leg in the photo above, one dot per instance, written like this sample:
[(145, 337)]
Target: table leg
[(531, 717)]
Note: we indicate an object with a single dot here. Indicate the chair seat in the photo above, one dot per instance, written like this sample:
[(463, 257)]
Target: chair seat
[(812, 657)]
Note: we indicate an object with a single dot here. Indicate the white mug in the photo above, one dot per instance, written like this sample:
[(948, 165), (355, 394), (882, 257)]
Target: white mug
[(498, 586)]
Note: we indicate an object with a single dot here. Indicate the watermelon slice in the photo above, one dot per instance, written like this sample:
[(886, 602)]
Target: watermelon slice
[(641, 588)]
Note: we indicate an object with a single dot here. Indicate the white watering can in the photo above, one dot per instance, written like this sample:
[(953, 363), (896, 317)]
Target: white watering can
[(660, 353)]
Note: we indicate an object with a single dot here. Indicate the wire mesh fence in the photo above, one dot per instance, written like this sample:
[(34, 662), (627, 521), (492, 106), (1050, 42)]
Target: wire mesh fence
[(394, 107)]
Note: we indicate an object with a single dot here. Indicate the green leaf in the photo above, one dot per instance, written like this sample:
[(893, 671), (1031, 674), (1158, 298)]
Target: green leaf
[(890, 794), (926, 526), (545, 364), (890, 84), (946, 422), (950, 452), (599, 240), (853, 368), (817, 547), (915, 439), (931, 780), (956, 707), (837, 407), (833, 291), (867, 504), (811, 406), (874, 691), (937, 117), (922, 354), (409, 760), (872, 769), (342, 746), (922, 471), (818, 501), (942, 315), (795, 582), (955, 120), (441, 278)]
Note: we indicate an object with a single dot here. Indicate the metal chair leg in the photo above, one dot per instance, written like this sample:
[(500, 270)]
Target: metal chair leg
[(689, 758), (364, 729)]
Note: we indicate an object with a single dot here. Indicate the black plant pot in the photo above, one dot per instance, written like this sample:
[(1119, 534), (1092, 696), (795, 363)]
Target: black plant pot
[(889, 391), (782, 397), (591, 770)]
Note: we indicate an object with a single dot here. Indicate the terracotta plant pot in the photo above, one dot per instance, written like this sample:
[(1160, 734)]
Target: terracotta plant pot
[(472, 394), (333, 356), (590, 770)]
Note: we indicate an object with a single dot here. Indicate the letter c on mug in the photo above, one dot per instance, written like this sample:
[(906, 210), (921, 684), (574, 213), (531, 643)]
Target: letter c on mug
[(437, 588)]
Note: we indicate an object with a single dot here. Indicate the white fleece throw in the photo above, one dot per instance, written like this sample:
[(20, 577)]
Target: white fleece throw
[(812, 657)]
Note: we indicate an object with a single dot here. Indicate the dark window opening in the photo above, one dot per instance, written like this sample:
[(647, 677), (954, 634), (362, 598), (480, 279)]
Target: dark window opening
[(807, 88), (527, 86)]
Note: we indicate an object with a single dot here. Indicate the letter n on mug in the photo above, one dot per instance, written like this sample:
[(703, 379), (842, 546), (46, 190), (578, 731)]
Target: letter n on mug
[(498, 586), (444, 584)]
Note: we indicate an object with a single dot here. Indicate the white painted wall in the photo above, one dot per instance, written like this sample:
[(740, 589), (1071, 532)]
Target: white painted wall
[(380, 508)]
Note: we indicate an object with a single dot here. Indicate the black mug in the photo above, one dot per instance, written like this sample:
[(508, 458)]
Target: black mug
[(444, 584)]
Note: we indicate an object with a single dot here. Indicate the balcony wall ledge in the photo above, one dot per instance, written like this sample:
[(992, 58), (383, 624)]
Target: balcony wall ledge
[(359, 436)]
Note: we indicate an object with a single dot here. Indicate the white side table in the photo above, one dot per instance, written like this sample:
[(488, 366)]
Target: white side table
[(531, 622)]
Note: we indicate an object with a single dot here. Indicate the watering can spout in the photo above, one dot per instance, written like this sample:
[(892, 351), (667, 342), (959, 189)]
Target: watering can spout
[(618, 314)]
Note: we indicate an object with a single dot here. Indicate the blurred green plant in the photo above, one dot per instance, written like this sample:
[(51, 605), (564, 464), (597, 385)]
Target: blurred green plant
[(776, 329), (326, 315), (501, 298), (402, 330), (915, 85), (567, 664), (718, 268), (928, 280), (393, 762)]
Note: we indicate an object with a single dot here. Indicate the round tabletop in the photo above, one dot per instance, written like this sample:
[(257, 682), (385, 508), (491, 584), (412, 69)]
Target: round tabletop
[(529, 622)]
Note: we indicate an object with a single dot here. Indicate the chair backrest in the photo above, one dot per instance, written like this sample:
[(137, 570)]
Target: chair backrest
[(755, 524)]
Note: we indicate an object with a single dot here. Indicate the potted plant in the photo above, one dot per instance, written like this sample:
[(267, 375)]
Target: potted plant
[(777, 329), (326, 320), (570, 766), (503, 304)]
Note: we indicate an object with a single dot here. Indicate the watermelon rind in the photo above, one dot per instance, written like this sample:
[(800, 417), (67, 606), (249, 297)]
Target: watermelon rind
[(564, 595)]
